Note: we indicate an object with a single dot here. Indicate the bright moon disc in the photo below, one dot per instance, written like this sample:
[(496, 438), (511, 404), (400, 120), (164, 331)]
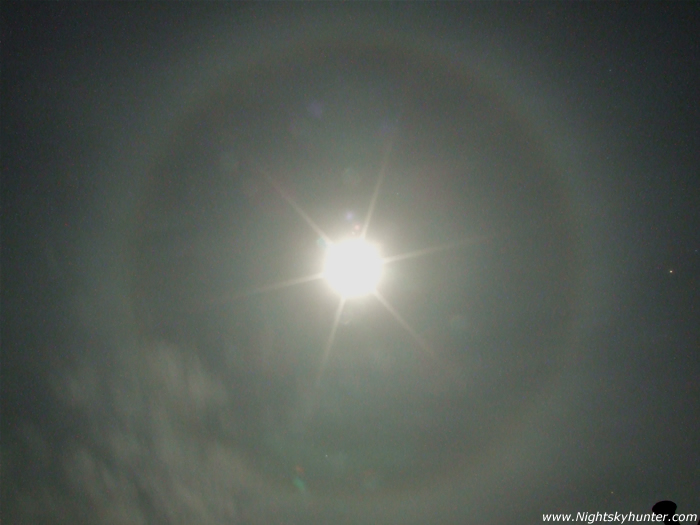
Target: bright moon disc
[(353, 268)]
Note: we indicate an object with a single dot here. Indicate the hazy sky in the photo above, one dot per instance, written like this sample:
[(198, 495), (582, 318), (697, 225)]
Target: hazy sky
[(174, 173)]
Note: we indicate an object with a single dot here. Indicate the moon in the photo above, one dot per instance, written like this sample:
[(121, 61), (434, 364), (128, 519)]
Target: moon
[(353, 268)]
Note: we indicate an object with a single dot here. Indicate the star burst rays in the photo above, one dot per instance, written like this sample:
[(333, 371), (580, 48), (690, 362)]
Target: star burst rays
[(342, 300)]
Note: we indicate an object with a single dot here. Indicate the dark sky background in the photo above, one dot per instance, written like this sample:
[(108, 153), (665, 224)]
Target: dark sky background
[(553, 352)]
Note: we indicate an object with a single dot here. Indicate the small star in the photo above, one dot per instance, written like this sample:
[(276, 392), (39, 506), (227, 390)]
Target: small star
[(670, 271)]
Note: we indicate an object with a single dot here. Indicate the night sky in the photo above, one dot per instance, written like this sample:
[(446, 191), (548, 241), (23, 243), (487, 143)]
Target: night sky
[(174, 174)]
